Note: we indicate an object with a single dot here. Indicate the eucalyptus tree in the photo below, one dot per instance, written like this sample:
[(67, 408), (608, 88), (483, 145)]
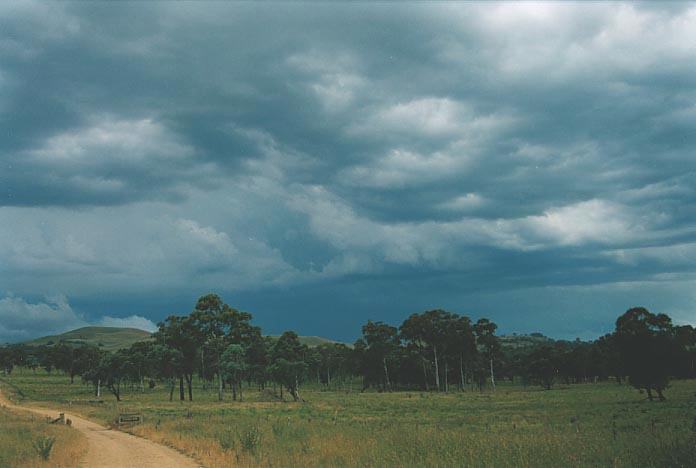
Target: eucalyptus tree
[(413, 332), (463, 345), (288, 367), (380, 343), (180, 334), (542, 366), (218, 326), (647, 345), (233, 368), (486, 340), (166, 363), (111, 371)]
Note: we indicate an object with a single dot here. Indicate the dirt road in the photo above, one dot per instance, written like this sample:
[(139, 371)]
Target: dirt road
[(115, 449)]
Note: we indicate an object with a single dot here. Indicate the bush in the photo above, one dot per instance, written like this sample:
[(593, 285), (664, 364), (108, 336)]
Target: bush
[(227, 440), (250, 439), (43, 446)]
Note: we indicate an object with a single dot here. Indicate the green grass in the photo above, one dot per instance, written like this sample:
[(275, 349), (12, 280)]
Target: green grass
[(582, 425), (106, 338)]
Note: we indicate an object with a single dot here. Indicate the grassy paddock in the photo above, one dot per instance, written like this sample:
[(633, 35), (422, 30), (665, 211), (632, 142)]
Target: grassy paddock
[(581, 425), (18, 432)]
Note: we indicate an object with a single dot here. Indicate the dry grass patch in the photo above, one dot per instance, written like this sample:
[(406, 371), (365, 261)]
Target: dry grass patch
[(23, 435)]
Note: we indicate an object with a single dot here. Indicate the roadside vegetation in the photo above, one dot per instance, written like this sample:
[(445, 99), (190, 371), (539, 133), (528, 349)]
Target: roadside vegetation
[(27, 440)]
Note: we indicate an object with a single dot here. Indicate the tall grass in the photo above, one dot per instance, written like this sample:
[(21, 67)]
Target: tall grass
[(584, 425)]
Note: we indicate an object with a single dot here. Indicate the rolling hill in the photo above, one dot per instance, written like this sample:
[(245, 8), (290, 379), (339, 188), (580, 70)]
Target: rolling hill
[(107, 338), (313, 341), (516, 341), (114, 338)]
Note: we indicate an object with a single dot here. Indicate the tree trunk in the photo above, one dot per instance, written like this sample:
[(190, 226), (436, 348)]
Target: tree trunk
[(171, 389), (492, 375), (98, 388), (462, 383), (386, 372), (660, 395), (650, 396), (240, 391), (219, 385), (437, 369), (446, 377), (203, 366), (182, 396), (425, 375), (189, 383), (295, 390)]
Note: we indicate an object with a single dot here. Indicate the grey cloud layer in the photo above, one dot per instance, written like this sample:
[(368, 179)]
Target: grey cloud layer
[(242, 147)]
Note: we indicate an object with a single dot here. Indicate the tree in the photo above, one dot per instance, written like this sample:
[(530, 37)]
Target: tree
[(379, 345), (685, 336), (219, 325), (462, 343), (233, 368), (165, 362), (138, 361), (288, 367), (111, 371), (542, 366), (180, 334), (6, 360), (489, 343), (432, 332), (647, 345)]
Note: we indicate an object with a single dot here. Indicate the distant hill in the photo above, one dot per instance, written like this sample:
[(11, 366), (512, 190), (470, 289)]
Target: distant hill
[(516, 341), (107, 338), (312, 341), (114, 338)]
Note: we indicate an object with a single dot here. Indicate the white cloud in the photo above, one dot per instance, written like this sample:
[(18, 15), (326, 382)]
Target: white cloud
[(441, 243), (588, 221), (676, 256), (108, 140), (556, 42), (463, 203), (332, 77), (429, 116), (435, 117), (132, 321), (20, 319), (142, 249), (401, 168), (206, 236)]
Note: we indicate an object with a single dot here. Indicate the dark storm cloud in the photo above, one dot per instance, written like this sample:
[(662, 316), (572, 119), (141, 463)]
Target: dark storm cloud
[(475, 148)]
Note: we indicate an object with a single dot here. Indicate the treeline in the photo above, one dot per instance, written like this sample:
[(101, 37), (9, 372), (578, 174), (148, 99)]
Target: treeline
[(432, 351)]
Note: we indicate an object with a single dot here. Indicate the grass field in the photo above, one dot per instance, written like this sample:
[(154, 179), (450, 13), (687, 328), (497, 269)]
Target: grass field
[(19, 431), (581, 425)]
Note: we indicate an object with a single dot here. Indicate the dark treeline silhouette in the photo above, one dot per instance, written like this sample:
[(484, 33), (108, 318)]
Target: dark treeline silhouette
[(434, 350)]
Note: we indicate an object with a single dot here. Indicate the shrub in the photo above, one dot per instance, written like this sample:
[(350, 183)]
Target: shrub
[(43, 446), (250, 439), (227, 440)]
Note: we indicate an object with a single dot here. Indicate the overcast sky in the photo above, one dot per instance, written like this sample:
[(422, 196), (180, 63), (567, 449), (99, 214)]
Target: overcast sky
[(323, 164)]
